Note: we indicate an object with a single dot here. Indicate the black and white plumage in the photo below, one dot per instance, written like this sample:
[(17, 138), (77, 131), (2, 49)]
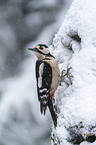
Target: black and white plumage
[(48, 77)]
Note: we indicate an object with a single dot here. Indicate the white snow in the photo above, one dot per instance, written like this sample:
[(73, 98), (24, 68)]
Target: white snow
[(19, 100), (87, 143), (79, 99)]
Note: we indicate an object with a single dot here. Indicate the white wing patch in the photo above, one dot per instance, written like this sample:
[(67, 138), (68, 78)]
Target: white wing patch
[(40, 75), (45, 89)]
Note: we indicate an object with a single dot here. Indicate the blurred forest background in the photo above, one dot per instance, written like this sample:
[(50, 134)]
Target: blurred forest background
[(23, 24)]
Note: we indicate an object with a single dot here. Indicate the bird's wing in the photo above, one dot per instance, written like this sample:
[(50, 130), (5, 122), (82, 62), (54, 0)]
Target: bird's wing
[(44, 79)]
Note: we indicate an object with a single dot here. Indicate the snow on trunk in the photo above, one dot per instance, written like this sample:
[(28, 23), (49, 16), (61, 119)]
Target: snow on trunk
[(74, 47)]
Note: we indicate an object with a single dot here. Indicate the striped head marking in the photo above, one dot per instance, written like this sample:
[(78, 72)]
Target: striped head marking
[(41, 51)]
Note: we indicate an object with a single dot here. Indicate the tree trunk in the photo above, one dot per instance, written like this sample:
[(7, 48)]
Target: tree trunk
[(74, 47)]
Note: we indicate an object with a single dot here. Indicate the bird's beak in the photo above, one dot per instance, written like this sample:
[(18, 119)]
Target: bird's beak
[(32, 49)]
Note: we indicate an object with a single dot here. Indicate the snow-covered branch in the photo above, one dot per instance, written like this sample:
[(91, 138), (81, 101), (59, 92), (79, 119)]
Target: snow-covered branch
[(74, 46)]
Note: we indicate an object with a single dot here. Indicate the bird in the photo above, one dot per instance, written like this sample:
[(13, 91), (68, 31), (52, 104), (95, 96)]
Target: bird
[(48, 79)]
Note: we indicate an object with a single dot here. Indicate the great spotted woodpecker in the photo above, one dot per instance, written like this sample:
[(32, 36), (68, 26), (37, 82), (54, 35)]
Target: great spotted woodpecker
[(48, 78)]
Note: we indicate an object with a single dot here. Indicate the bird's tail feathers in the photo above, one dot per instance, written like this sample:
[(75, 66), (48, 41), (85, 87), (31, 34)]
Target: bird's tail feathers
[(44, 102), (52, 112)]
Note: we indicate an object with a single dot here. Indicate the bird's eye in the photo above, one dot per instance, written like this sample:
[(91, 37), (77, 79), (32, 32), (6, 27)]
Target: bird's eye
[(42, 47)]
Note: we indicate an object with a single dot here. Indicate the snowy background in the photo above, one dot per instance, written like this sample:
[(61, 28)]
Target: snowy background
[(74, 46), (23, 24)]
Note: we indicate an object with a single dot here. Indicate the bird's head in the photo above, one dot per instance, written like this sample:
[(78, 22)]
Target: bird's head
[(41, 51)]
